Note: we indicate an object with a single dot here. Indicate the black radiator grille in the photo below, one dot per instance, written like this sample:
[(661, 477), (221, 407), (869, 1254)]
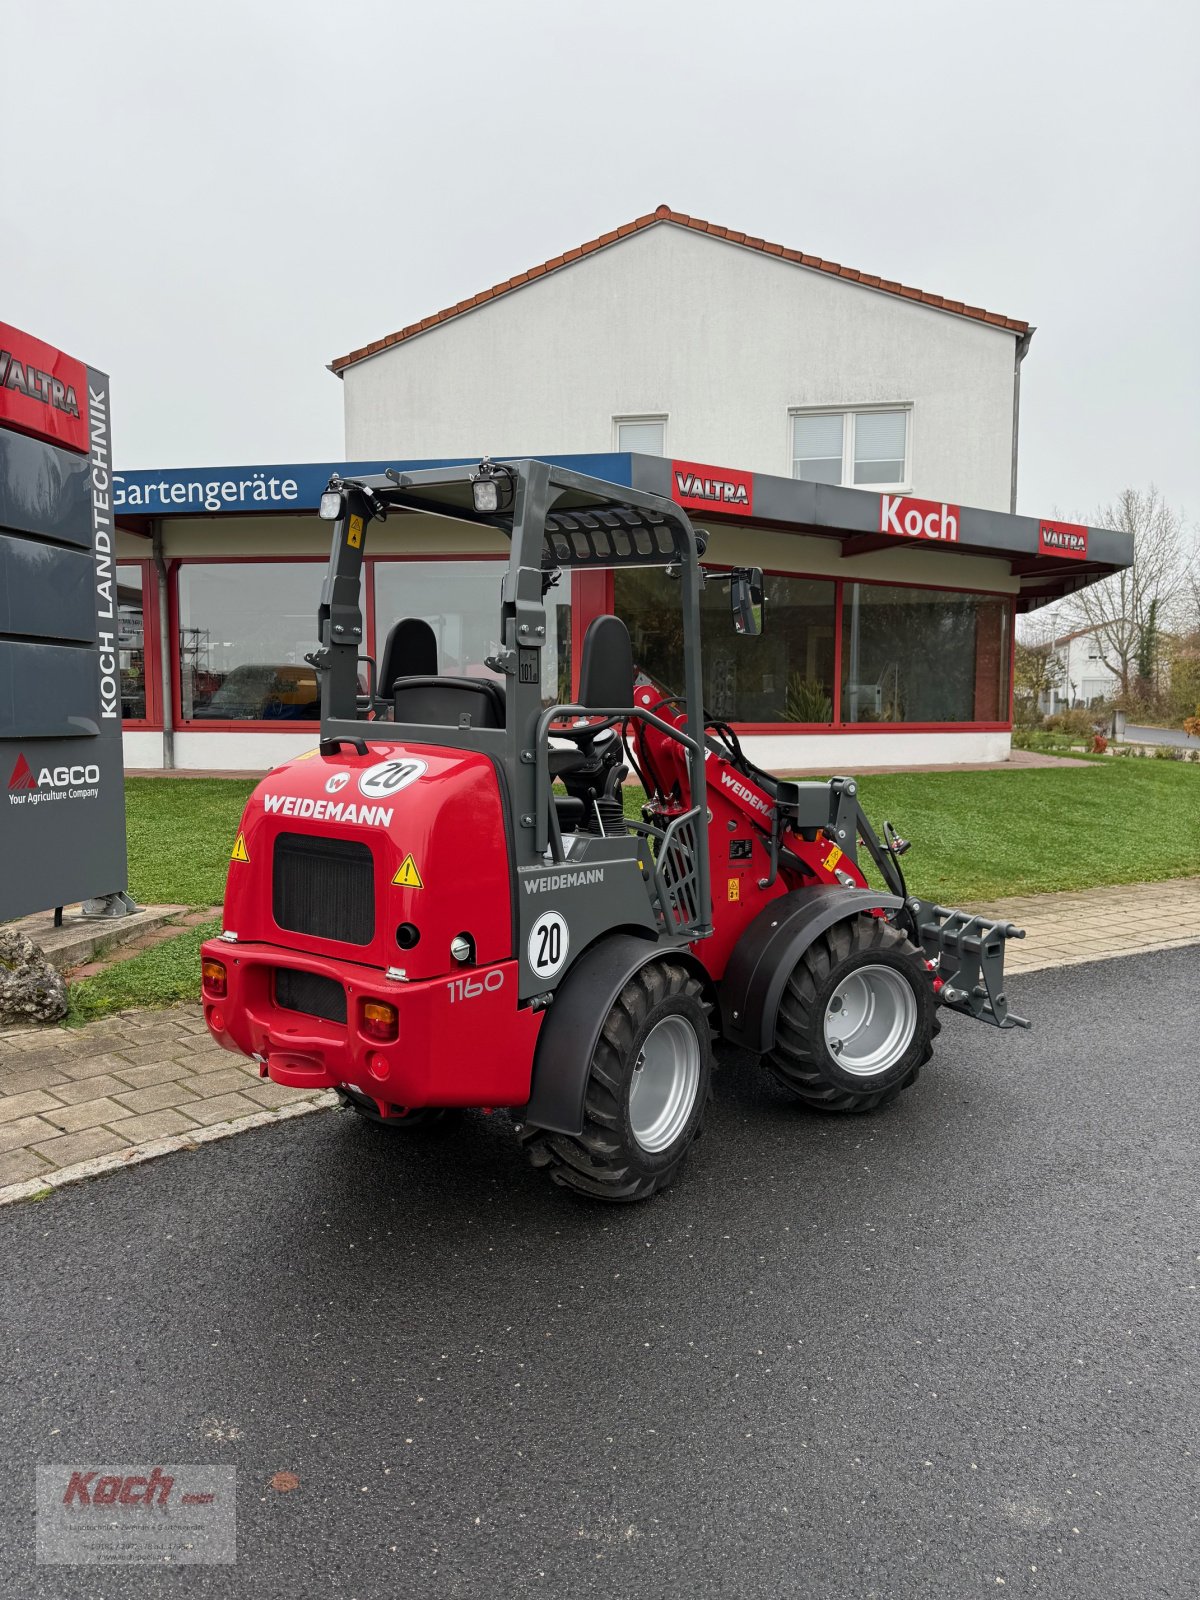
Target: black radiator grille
[(324, 887), (310, 992)]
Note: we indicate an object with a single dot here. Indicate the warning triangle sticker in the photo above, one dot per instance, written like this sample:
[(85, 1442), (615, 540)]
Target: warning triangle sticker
[(408, 877), (239, 851)]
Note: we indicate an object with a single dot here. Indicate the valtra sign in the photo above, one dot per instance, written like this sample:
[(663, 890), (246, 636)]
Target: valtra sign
[(700, 488), (1063, 539), (42, 391), (918, 519)]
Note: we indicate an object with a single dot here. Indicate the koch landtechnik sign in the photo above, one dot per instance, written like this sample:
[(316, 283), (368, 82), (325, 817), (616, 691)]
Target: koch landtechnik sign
[(62, 795)]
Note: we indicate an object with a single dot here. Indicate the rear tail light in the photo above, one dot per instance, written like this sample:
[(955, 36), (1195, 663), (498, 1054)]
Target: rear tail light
[(380, 1020), (215, 982)]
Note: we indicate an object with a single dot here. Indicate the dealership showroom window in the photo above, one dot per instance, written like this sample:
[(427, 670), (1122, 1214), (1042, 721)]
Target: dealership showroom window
[(834, 653)]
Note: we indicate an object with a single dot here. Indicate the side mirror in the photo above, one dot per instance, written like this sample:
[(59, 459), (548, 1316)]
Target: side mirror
[(747, 601)]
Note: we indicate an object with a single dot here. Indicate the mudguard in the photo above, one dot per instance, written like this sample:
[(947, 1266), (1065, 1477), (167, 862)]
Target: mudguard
[(571, 1031), (763, 958)]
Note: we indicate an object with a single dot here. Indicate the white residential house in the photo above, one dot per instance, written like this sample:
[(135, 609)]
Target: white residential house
[(677, 337), (1083, 678)]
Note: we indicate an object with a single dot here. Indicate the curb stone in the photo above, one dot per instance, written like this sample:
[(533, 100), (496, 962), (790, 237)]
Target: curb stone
[(136, 1154)]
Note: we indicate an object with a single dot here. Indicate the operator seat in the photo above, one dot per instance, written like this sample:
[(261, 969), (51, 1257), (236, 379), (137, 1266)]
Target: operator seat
[(606, 666), (605, 680), (409, 682), (410, 651), (449, 702)]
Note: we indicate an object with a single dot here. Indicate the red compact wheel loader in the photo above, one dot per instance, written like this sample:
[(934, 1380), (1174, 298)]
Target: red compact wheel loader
[(445, 905)]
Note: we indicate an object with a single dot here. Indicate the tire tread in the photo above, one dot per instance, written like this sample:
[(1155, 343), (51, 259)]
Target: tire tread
[(593, 1162)]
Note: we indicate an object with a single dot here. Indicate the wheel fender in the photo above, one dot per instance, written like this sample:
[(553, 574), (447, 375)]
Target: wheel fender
[(764, 956), (569, 1035)]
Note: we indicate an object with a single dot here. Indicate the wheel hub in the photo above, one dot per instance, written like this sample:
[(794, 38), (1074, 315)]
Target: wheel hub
[(870, 1020), (666, 1078)]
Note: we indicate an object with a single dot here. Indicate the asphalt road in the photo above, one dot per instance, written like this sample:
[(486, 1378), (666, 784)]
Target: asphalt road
[(1160, 736), (946, 1350)]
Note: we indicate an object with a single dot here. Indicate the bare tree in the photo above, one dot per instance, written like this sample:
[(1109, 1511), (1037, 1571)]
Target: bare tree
[(1192, 585), (1037, 668), (1128, 610)]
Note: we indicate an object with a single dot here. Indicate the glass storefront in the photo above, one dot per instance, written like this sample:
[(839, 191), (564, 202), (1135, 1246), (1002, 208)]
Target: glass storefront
[(461, 602), (131, 642), (933, 657), (244, 630), (923, 655), (785, 675)]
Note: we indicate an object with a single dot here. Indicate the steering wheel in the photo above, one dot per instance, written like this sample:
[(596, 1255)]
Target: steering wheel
[(583, 733)]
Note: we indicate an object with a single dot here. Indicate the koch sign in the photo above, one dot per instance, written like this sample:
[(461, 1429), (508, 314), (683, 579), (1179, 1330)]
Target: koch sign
[(1063, 539), (62, 794), (918, 519)]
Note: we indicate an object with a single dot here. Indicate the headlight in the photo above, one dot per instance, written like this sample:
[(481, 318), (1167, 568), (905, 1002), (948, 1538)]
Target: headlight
[(331, 505), (487, 494)]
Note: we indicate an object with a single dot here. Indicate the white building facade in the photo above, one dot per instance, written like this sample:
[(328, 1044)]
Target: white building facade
[(675, 340), (1082, 677)]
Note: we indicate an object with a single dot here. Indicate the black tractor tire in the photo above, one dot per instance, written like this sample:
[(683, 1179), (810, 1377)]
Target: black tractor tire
[(422, 1119), (606, 1161), (801, 1059)]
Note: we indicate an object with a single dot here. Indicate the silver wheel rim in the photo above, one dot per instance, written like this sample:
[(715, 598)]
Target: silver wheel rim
[(870, 1020), (666, 1079)]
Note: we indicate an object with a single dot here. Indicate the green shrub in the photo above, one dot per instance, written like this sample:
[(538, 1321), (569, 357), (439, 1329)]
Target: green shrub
[(1079, 724), (806, 700)]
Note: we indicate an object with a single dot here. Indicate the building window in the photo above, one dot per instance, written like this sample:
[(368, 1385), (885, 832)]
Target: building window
[(646, 436), (131, 642), (923, 655), (244, 630), (461, 602), (786, 675), (867, 449)]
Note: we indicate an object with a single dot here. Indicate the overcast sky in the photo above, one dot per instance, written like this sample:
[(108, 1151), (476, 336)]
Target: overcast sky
[(212, 201)]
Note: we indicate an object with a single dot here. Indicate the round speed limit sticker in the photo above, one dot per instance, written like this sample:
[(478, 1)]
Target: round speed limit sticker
[(549, 941), (389, 777)]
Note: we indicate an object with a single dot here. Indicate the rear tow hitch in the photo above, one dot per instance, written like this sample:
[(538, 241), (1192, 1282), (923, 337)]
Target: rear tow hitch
[(969, 956)]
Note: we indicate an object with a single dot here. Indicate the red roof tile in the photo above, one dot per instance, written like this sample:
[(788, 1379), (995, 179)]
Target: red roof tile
[(664, 214)]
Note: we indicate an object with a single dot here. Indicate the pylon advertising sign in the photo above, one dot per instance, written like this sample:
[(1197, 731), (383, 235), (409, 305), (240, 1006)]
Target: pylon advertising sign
[(62, 793)]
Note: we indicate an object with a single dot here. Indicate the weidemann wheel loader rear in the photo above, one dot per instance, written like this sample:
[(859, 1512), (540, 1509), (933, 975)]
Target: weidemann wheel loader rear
[(445, 906)]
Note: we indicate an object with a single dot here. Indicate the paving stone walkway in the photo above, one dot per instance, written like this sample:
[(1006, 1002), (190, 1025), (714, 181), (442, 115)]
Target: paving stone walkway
[(72, 1095), (145, 1082), (1066, 930)]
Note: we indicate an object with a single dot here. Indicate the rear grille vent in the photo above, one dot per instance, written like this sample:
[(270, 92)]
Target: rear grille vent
[(310, 992), (324, 887)]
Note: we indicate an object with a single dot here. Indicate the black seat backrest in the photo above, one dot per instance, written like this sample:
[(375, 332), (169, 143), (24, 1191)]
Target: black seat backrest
[(410, 651), (606, 668), (449, 702)]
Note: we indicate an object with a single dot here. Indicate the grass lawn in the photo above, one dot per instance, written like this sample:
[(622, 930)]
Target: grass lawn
[(157, 977), (984, 835), (976, 836), (181, 831)]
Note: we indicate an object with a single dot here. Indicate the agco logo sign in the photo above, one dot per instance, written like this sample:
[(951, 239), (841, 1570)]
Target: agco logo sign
[(81, 782), (918, 519), (700, 488)]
